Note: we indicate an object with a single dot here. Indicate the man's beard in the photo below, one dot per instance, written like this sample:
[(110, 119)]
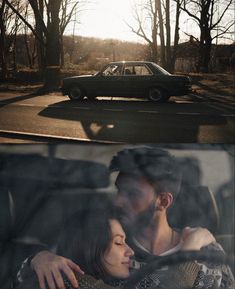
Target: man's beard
[(144, 218), (132, 224)]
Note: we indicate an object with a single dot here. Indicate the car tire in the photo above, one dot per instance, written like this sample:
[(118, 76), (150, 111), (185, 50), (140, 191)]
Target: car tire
[(156, 94), (76, 93)]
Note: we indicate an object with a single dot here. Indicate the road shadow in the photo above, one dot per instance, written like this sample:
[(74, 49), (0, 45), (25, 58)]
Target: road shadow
[(17, 99), (213, 89), (125, 121)]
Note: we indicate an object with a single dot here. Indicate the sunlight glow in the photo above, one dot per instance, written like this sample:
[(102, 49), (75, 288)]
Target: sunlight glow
[(106, 19)]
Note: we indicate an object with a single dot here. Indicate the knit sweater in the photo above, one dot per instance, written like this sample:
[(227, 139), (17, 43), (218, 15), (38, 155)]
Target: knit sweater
[(178, 277), (197, 275), (210, 275)]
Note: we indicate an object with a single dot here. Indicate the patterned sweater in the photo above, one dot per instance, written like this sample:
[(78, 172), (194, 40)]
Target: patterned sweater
[(196, 275), (211, 275), (180, 276)]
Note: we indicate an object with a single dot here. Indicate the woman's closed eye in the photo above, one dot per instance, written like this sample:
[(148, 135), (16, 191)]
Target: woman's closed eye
[(119, 243)]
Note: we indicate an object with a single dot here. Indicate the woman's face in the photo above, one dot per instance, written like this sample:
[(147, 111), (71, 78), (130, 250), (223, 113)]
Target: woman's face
[(117, 256)]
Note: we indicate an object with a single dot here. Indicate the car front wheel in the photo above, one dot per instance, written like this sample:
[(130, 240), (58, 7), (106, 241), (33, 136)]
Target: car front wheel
[(76, 93), (157, 95)]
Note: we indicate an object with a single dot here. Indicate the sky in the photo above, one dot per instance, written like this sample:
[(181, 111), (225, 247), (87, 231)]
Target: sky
[(107, 19)]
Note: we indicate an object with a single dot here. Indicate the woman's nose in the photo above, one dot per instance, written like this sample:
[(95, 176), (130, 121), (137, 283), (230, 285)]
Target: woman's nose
[(129, 251)]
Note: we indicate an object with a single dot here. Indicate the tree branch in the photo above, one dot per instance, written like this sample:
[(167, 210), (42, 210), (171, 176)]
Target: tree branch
[(25, 22)]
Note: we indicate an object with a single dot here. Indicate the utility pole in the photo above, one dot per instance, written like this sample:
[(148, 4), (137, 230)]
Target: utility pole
[(113, 50)]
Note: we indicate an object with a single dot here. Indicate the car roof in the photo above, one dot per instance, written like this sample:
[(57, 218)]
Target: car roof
[(130, 62)]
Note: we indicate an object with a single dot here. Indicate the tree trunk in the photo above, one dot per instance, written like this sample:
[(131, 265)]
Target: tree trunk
[(153, 45), (53, 49), (162, 38), (40, 50), (3, 60), (176, 38), (62, 51), (205, 54), (26, 41), (205, 40), (168, 37)]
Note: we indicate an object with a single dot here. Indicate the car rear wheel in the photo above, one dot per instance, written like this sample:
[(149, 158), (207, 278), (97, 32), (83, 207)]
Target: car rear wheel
[(157, 95), (76, 93)]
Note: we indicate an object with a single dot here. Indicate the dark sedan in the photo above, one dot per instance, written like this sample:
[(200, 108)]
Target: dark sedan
[(127, 78)]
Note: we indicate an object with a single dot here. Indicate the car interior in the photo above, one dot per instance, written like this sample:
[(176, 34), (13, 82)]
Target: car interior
[(42, 186), (127, 71)]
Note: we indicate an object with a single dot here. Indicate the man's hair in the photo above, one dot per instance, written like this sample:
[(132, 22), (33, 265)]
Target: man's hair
[(156, 165)]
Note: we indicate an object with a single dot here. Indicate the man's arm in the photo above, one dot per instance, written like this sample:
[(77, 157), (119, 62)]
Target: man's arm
[(85, 281), (194, 239), (210, 275), (48, 268), (214, 275)]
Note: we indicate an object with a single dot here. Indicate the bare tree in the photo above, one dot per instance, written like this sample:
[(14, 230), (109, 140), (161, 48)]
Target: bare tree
[(29, 40), (9, 27), (48, 30), (155, 16), (208, 14), (147, 20), (3, 41), (70, 11)]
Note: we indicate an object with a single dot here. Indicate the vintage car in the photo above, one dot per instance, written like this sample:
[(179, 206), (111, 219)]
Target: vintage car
[(140, 79)]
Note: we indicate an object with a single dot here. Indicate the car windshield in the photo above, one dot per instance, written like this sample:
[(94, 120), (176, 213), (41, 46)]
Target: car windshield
[(43, 185)]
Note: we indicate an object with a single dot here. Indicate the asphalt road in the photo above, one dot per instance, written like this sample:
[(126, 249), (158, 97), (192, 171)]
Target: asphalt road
[(54, 117)]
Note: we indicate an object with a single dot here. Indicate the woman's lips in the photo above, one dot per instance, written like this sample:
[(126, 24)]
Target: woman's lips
[(127, 263)]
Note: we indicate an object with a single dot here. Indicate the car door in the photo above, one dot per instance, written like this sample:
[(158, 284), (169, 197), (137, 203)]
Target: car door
[(136, 79), (108, 82)]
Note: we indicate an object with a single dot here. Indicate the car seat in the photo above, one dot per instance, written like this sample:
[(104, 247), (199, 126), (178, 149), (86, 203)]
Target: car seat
[(195, 206), (127, 71)]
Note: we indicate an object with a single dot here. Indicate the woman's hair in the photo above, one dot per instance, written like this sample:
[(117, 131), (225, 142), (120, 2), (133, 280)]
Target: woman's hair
[(86, 236)]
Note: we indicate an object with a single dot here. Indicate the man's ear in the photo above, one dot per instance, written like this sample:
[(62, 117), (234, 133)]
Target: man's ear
[(165, 200)]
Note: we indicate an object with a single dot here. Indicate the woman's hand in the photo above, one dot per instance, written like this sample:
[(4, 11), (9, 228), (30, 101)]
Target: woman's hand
[(48, 266), (196, 238)]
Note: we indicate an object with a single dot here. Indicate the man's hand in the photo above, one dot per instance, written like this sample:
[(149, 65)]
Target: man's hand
[(48, 266), (196, 238)]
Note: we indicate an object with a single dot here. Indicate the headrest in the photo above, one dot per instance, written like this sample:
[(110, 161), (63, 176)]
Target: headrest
[(195, 206), (53, 171)]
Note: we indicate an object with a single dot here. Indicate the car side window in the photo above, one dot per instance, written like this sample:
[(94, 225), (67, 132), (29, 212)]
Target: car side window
[(142, 70), (112, 70), (129, 70)]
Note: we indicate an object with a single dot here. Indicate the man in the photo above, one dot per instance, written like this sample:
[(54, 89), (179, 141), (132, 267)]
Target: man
[(148, 182)]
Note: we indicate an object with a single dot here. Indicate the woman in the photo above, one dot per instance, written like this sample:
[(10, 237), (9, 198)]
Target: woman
[(96, 240)]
